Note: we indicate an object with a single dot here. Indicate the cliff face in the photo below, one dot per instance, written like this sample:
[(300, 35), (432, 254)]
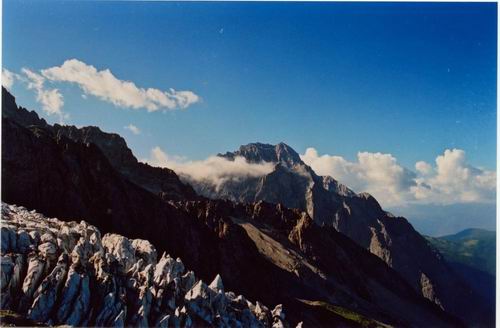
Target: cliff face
[(360, 217), (266, 252), (57, 272)]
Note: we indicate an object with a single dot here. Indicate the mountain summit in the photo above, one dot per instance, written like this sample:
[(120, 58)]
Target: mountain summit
[(260, 152), (360, 217)]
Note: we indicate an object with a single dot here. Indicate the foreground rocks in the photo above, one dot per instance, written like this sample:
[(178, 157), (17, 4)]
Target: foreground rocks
[(57, 272)]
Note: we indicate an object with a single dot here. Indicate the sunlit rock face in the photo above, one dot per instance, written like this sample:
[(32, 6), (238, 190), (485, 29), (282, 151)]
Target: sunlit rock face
[(57, 272)]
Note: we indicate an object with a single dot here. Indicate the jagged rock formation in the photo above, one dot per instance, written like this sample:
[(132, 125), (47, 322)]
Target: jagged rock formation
[(359, 216), (57, 272), (266, 252)]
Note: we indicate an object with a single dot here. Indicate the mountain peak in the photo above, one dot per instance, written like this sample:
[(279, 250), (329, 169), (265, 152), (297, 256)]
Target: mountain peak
[(260, 152), (18, 114)]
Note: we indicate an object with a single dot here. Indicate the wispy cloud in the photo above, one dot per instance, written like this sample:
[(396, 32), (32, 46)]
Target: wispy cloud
[(8, 78), (451, 180), (104, 85), (50, 99), (213, 170), (99, 83), (132, 128)]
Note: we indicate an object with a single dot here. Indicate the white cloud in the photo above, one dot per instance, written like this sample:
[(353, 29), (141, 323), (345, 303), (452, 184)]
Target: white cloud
[(105, 86), (451, 181), (51, 99), (132, 128), (423, 167), (101, 84), (8, 78), (376, 173), (214, 170)]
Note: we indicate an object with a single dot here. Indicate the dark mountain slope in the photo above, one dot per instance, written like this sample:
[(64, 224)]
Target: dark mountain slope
[(157, 180), (264, 251)]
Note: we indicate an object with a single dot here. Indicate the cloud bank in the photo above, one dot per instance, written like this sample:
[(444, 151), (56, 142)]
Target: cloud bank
[(453, 180), (214, 170), (450, 180), (105, 86)]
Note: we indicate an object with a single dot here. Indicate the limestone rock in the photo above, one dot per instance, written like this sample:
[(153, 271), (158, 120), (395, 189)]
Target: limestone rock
[(216, 285), (73, 277)]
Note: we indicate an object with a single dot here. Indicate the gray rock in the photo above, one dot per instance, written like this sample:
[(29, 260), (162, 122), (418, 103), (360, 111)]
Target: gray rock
[(8, 240), (23, 241), (216, 285), (198, 300), (46, 295)]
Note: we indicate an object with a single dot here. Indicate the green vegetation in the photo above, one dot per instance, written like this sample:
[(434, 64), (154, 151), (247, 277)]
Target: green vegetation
[(354, 317), (472, 255), (472, 247)]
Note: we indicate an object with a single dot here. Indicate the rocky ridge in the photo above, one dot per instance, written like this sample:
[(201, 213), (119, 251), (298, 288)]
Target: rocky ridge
[(58, 272)]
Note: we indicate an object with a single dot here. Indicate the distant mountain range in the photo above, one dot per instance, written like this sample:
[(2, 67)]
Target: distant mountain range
[(473, 247), (472, 254), (291, 237), (446, 219)]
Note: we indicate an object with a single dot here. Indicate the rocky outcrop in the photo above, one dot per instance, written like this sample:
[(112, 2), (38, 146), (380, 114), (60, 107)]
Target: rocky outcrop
[(57, 272), (360, 217)]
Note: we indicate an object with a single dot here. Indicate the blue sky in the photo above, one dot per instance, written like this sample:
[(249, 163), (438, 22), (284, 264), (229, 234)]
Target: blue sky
[(407, 79), (412, 81)]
